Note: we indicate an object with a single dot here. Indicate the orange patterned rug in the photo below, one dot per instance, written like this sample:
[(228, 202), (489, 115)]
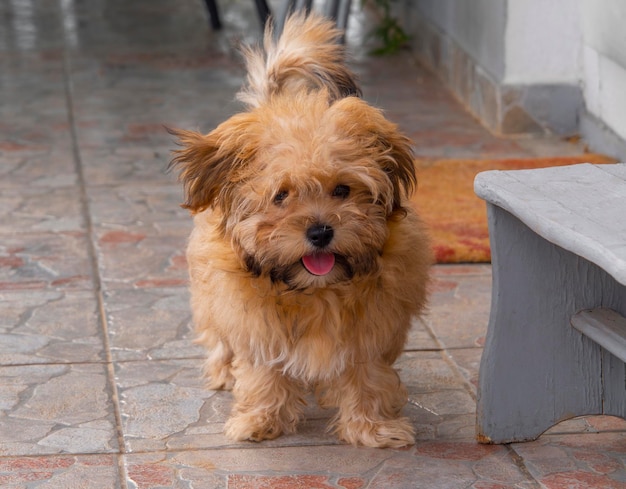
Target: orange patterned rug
[(457, 219)]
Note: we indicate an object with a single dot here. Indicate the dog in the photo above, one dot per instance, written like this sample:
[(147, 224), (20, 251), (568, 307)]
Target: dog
[(307, 262)]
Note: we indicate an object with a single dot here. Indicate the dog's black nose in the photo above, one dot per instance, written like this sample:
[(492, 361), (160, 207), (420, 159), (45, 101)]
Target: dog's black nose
[(320, 235)]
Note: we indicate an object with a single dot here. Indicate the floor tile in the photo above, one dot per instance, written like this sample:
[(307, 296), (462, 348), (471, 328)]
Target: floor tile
[(150, 323), (112, 26), (151, 210), (45, 261), (52, 132), (445, 402), (577, 460), (420, 337), (424, 372), (135, 165), (290, 481), (50, 409), (45, 168), (165, 406), (606, 423), (432, 425), (51, 326), (60, 472), (33, 84), (129, 259), (143, 93), (439, 404), (459, 309), (467, 361), (30, 28), (430, 464), (308, 467), (141, 235), (39, 209), (449, 466)]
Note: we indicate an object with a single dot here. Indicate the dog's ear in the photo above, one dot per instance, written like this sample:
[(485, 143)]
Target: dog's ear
[(397, 160), (387, 145), (211, 165)]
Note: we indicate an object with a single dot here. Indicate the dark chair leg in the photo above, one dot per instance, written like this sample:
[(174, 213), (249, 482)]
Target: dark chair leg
[(213, 14), (288, 7), (343, 12), (264, 11)]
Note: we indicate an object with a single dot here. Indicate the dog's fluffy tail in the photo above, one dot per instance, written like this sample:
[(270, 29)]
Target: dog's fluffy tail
[(307, 56)]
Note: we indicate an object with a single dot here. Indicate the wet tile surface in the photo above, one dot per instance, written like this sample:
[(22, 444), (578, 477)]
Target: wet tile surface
[(100, 380)]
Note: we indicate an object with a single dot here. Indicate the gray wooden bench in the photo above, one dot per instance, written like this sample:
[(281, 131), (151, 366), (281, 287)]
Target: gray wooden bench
[(556, 342)]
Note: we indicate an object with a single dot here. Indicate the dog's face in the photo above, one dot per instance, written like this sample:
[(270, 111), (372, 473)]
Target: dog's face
[(304, 187)]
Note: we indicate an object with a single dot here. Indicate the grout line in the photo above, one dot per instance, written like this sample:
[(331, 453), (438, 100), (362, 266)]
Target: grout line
[(422, 350), (106, 360), (93, 260), (450, 361), (437, 349), (518, 460)]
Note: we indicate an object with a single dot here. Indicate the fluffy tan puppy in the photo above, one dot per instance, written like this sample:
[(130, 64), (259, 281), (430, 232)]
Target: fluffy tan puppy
[(306, 260)]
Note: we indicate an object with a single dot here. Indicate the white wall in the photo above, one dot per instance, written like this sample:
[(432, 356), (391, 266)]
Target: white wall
[(543, 42), (604, 61), (477, 25), (604, 26)]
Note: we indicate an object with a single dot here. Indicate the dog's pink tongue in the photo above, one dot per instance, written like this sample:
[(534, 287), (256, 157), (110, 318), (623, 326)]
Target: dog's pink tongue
[(319, 263)]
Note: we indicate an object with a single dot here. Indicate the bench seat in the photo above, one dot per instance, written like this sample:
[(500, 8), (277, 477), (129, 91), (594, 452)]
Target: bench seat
[(556, 341)]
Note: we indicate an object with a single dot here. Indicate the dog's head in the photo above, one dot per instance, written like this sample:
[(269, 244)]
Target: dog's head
[(304, 186)]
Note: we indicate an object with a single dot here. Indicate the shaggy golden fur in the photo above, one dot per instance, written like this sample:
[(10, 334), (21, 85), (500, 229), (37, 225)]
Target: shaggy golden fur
[(306, 261)]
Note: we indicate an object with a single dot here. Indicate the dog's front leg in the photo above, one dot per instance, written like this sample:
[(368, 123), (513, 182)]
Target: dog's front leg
[(370, 399), (267, 403), (217, 368)]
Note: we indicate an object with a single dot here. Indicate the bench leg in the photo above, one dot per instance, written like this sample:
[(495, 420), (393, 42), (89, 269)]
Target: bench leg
[(536, 369)]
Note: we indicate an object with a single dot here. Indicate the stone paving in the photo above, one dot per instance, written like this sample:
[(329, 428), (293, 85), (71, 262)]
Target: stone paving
[(99, 378)]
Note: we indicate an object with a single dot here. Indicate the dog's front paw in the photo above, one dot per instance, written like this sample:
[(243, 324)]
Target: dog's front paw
[(252, 427), (391, 433)]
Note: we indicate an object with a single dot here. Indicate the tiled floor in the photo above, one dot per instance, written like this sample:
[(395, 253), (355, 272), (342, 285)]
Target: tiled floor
[(99, 378)]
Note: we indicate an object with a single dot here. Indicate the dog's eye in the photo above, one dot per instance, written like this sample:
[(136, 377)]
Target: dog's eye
[(280, 197), (341, 191)]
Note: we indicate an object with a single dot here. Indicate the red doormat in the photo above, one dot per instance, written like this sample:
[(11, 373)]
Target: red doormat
[(456, 217)]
